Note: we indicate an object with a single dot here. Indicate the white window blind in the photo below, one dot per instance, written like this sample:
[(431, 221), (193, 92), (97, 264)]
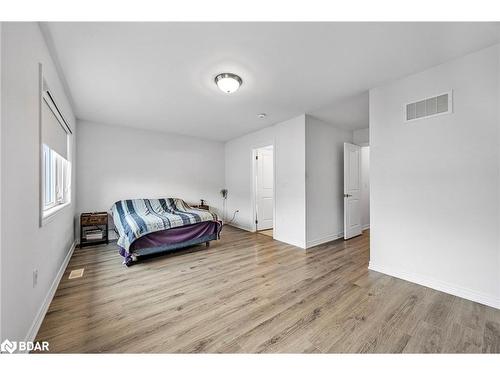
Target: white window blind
[(54, 129)]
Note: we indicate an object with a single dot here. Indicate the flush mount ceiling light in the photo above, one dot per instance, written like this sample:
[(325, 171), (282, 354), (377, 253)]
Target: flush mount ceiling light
[(228, 82), (262, 115)]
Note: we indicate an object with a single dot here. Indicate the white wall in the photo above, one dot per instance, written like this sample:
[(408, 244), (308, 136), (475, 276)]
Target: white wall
[(498, 119), (26, 246), (365, 187), (435, 182), (324, 181), (361, 137), (1, 336), (116, 162), (288, 139)]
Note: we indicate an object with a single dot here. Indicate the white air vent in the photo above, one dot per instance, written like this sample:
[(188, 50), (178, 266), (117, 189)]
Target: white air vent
[(75, 274), (429, 107)]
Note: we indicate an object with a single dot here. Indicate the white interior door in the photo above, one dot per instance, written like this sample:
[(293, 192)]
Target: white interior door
[(264, 188), (352, 190)]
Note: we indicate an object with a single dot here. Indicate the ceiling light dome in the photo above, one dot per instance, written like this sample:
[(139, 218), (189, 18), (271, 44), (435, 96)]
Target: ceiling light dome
[(228, 82)]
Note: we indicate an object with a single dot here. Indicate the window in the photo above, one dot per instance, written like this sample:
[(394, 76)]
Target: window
[(56, 168), (48, 174), (56, 178)]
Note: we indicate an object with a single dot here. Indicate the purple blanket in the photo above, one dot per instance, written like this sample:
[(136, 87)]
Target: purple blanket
[(170, 239), (175, 235)]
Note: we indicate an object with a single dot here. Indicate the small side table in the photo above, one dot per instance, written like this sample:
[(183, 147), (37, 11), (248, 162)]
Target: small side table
[(91, 225)]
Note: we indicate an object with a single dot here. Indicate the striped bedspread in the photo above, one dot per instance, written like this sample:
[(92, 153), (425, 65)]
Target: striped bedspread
[(135, 218)]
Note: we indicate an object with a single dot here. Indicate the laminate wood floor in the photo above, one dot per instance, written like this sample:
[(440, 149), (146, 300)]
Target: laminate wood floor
[(268, 232), (249, 293)]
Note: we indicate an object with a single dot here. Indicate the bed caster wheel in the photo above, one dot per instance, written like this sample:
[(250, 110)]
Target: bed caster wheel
[(130, 260)]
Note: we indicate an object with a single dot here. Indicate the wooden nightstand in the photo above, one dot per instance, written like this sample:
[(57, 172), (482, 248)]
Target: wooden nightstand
[(93, 228)]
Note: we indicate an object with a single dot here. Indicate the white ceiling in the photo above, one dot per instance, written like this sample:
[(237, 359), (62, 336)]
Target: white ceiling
[(160, 75), (347, 113)]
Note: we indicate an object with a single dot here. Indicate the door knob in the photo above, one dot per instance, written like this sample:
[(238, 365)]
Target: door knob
[(347, 195)]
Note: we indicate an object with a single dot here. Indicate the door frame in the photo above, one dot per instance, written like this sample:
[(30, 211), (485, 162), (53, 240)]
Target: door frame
[(253, 184)]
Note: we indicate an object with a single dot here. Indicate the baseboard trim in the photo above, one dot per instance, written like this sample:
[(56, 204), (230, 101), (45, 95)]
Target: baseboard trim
[(440, 285), (239, 227), (322, 240), (365, 227), (300, 245), (275, 237), (37, 322)]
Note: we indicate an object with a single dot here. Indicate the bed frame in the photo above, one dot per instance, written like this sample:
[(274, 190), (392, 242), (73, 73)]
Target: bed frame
[(136, 254)]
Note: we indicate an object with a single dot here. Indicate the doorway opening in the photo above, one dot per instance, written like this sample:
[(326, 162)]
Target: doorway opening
[(356, 189), (263, 186)]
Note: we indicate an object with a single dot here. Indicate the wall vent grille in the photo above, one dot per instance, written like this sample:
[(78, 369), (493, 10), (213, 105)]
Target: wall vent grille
[(429, 107)]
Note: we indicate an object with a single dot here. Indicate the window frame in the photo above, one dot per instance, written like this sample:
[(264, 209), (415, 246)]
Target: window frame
[(48, 159), (59, 167)]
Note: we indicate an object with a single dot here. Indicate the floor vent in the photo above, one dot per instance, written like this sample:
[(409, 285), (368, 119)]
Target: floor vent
[(429, 107), (75, 274)]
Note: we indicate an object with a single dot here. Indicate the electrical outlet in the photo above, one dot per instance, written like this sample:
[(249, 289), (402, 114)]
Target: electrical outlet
[(35, 278)]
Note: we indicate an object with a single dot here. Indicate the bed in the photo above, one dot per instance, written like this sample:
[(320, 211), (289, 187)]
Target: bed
[(152, 226)]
